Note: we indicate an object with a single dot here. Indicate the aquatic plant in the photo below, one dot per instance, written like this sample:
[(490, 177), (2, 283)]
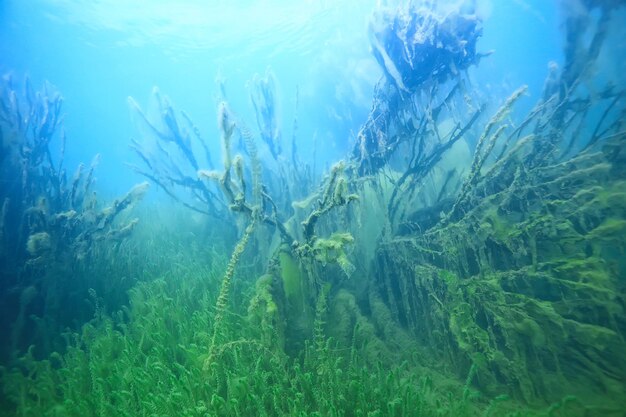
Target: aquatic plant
[(265, 108), (167, 150), (47, 220), (178, 159), (63, 214), (480, 276), (149, 359), (461, 261), (222, 300)]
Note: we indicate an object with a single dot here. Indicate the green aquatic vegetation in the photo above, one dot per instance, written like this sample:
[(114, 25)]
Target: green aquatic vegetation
[(469, 336), (53, 225), (335, 194), (267, 312), (298, 295), (293, 279), (222, 300), (333, 250), (609, 231), (486, 143), (546, 317), (525, 286), (500, 227), (148, 360), (491, 288)]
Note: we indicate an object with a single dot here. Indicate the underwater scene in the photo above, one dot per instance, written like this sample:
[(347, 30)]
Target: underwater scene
[(353, 208)]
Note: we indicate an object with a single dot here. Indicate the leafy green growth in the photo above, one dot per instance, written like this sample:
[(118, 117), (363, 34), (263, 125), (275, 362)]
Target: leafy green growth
[(148, 359)]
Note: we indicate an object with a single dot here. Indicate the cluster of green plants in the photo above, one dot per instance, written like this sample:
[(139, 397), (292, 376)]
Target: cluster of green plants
[(52, 224), (400, 287), (158, 357), (527, 287)]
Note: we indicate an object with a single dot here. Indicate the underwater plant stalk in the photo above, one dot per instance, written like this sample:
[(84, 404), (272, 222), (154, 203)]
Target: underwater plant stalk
[(222, 299)]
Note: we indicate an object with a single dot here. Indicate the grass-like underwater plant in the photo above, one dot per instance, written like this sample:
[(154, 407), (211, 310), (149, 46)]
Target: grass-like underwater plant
[(149, 360)]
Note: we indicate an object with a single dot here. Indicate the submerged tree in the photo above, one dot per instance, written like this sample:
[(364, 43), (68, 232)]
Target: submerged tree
[(492, 258)]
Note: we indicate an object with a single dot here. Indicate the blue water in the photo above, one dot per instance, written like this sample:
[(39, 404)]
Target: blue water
[(97, 53)]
